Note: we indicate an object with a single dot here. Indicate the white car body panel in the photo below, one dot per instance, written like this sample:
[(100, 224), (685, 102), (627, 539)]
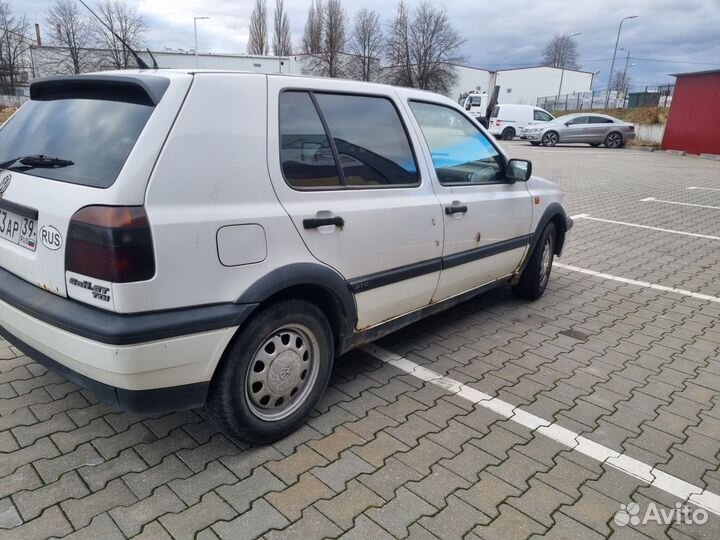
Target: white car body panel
[(385, 228), (207, 170)]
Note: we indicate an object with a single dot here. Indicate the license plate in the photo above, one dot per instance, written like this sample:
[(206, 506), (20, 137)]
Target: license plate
[(18, 229)]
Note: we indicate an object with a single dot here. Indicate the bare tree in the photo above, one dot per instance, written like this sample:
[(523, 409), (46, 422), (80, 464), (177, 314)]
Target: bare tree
[(258, 42), (398, 48), (14, 45), (561, 52), (620, 81), (70, 30), (312, 37), (281, 36), (127, 23), (366, 44), (327, 61), (423, 49)]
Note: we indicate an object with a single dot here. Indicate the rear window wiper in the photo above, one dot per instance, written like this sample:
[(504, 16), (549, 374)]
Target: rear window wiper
[(38, 161)]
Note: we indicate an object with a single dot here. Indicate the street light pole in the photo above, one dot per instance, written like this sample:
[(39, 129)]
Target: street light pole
[(612, 66), (562, 64), (195, 20)]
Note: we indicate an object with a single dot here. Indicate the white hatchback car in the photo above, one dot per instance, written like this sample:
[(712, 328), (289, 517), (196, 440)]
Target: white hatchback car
[(173, 239)]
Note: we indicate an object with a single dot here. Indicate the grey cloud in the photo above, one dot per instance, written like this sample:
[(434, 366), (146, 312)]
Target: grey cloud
[(498, 34)]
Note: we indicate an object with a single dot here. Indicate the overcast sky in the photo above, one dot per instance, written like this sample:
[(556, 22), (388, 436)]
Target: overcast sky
[(684, 34)]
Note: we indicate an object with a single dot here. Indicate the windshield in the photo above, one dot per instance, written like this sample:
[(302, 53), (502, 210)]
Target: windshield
[(89, 138)]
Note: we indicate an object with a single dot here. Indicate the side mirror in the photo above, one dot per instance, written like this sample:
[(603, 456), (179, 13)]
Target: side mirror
[(467, 107), (519, 170)]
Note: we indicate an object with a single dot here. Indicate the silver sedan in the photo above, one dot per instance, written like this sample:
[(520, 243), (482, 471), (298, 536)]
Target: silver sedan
[(594, 129)]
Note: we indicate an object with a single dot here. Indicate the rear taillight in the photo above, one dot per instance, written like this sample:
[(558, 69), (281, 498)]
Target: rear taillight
[(112, 243)]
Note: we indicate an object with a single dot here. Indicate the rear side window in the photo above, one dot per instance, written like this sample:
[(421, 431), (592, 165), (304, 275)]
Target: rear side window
[(541, 116), (307, 159), (366, 138), (91, 138), (599, 120)]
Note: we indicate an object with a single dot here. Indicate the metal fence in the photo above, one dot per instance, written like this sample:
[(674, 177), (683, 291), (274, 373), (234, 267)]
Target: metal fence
[(659, 96), (12, 100)]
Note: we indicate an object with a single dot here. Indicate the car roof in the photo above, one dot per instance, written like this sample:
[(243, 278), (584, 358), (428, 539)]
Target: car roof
[(590, 113)]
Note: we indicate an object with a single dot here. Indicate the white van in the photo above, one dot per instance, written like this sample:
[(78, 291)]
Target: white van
[(221, 237), (507, 120), (476, 105)]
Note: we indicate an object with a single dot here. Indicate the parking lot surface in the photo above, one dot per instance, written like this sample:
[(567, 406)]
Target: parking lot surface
[(575, 416)]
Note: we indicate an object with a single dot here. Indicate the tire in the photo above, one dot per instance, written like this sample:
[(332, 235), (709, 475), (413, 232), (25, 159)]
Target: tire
[(550, 138), (535, 143), (594, 144), (614, 140), (508, 134), (285, 353), (536, 274)]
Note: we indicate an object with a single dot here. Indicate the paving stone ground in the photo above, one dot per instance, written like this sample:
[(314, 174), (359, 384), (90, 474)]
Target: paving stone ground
[(388, 456)]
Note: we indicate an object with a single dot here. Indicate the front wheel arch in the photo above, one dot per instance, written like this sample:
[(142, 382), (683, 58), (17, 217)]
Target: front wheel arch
[(549, 134)]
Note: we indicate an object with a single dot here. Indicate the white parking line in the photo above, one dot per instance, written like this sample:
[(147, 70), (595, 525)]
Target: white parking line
[(704, 188), (637, 283), (674, 486), (672, 231), (653, 199)]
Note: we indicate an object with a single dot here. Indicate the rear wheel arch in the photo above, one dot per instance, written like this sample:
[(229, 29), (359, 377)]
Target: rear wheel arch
[(315, 283), (609, 135)]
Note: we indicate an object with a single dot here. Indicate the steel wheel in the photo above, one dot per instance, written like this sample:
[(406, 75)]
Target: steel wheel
[(550, 139), (613, 140), (282, 372), (546, 260)]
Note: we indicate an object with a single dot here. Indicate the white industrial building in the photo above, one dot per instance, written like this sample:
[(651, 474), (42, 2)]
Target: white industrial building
[(520, 85)]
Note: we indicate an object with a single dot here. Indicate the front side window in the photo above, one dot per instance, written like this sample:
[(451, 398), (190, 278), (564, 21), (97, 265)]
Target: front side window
[(371, 142), (577, 120), (541, 116), (461, 153)]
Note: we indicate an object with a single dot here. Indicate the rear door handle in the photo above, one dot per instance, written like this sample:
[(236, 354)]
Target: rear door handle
[(314, 223), (455, 209)]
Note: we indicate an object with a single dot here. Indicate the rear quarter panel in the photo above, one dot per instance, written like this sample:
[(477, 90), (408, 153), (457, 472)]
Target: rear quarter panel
[(211, 174)]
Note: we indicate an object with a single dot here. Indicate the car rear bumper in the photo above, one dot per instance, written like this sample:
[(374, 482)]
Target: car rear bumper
[(144, 363)]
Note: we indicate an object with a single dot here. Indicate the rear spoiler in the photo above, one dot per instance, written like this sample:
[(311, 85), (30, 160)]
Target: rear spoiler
[(144, 89)]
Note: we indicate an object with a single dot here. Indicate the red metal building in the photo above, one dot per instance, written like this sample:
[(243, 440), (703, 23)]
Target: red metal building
[(694, 121)]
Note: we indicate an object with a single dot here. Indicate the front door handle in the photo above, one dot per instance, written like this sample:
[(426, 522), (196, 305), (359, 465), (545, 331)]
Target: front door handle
[(455, 209), (314, 223)]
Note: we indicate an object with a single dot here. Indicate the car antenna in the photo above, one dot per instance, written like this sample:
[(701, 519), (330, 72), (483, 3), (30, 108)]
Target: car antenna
[(155, 64), (140, 62)]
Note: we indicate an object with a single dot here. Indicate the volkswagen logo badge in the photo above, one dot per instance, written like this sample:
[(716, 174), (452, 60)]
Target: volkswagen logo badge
[(4, 183), (285, 372)]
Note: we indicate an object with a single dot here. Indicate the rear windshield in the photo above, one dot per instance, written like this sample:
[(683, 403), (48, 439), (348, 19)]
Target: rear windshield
[(81, 140), (495, 112)]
